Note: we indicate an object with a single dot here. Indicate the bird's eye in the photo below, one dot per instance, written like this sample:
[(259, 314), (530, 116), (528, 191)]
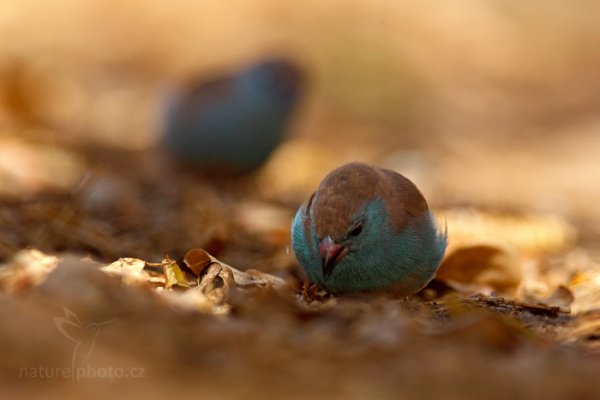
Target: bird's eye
[(356, 231)]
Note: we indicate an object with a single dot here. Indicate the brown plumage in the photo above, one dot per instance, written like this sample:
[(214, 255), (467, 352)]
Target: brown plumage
[(347, 188)]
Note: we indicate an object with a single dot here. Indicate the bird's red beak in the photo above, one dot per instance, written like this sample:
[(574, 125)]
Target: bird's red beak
[(331, 253)]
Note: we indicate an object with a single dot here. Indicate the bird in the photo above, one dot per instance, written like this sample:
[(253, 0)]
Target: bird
[(233, 122), (367, 229)]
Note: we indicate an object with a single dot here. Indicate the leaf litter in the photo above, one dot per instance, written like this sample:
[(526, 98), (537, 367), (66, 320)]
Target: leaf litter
[(512, 290), (193, 275)]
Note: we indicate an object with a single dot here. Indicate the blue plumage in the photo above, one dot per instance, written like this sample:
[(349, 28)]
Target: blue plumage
[(233, 123), (367, 243)]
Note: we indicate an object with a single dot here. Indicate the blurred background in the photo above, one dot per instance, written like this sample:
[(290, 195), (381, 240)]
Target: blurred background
[(494, 105)]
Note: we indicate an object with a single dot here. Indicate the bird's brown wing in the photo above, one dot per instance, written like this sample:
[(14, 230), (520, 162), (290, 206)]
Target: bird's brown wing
[(403, 198)]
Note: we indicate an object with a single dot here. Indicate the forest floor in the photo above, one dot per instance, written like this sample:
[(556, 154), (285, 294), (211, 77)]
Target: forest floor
[(124, 273), (513, 313)]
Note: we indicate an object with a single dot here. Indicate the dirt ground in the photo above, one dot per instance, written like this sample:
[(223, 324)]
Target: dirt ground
[(126, 273)]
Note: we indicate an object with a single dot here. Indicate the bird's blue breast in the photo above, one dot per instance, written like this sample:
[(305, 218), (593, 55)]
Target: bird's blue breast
[(306, 245)]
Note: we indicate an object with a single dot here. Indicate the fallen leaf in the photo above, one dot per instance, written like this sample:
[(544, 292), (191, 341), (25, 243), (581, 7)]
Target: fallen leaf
[(174, 276), (493, 265), (197, 260), (585, 285), (561, 297), (531, 233), (217, 283), (250, 279), (26, 269)]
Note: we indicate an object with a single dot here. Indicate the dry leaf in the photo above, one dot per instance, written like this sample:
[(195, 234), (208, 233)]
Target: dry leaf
[(174, 276), (197, 260), (493, 265), (244, 280), (27, 268), (131, 270), (528, 232), (561, 297), (585, 286), (217, 283)]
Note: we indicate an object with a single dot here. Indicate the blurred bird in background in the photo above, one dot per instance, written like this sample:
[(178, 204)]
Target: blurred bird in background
[(231, 124)]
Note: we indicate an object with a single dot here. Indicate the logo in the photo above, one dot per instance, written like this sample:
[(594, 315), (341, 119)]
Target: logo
[(84, 337)]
